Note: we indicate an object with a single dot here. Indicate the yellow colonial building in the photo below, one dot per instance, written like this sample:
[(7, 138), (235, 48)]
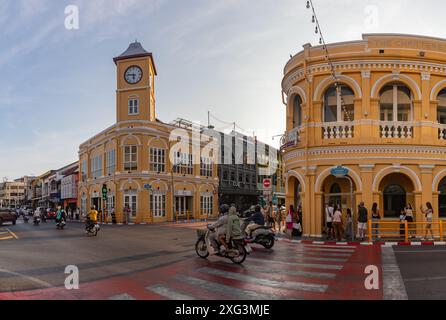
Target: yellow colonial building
[(145, 164), (384, 125)]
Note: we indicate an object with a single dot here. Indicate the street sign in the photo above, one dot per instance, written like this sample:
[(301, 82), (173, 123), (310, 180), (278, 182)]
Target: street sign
[(266, 184), (147, 186), (339, 171)]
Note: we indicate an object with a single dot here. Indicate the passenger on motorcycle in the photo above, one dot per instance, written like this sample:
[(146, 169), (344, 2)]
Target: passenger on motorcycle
[(233, 230), (257, 218), (220, 227)]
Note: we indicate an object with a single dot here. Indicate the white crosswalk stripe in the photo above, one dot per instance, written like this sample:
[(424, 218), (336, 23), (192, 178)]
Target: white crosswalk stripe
[(300, 264), (292, 285), (340, 247), (169, 293), (123, 296)]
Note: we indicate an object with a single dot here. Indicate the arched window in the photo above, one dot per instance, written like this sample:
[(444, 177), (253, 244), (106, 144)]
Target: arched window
[(441, 109), (339, 104), (297, 112), (396, 103)]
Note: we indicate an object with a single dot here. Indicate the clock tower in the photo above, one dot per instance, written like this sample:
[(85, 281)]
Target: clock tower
[(135, 94)]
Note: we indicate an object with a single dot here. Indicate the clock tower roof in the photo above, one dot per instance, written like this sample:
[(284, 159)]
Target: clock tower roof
[(135, 50)]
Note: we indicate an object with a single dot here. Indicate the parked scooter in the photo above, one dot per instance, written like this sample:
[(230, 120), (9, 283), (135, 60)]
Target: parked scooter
[(262, 235), (203, 246)]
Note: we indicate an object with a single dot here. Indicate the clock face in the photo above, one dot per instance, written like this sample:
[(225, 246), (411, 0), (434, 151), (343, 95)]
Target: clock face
[(133, 75)]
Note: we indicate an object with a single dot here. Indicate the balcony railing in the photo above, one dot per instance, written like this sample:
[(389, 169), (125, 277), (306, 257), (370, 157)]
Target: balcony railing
[(290, 138), (398, 129), (441, 131), (337, 130)]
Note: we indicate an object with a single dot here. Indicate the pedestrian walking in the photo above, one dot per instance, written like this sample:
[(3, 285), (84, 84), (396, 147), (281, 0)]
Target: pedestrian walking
[(289, 222), (376, 217), (409, 218), (337, 223), (126, 214), (362, 221), (348, 224), (428, 213), (329, 210)]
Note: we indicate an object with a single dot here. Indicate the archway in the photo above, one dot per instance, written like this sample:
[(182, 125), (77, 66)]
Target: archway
[(396, 190), (294, 191), (442, 198)]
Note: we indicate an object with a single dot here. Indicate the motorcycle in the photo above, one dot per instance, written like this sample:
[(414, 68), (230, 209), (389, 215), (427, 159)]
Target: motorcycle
[(25, 219), (36, 221), (60, 225), (92, 229), (262, 235), (239, 248)]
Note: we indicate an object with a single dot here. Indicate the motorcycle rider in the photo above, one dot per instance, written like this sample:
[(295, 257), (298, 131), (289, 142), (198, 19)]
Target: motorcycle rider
[(257, 218), (220, 227), (61, 216), (92, 217), (233, 230), (36, 215)]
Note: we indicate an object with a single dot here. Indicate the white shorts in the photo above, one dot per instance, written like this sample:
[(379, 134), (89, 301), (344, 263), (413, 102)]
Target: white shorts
[(362, 225)]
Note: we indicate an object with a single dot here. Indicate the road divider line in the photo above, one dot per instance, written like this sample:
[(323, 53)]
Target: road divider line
[(169, 293), (291, 285), (341, 247), (32, 279)]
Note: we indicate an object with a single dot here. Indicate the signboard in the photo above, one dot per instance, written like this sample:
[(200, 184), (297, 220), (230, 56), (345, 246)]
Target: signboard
[(339, 172), (185, 193), (147, 186), (266, 184)]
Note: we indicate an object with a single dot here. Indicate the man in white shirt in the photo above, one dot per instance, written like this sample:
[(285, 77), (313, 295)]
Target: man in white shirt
[(329, 220)]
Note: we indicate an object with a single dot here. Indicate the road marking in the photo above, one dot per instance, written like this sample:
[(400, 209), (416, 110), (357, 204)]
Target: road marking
[(292, 285), (123, 296), (309, 257), (425, 279), (228, 290), (7, 238), (299, 264), (169, 293), (393, 284), (331, 250), (32, 279), (299, 273), (341, 247), (419, 251), (13, 234)]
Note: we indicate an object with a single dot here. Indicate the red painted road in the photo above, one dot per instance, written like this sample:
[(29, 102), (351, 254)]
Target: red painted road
[(290, 271)]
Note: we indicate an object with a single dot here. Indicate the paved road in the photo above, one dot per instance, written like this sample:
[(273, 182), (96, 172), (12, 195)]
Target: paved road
[(159, 262), (423, 269)]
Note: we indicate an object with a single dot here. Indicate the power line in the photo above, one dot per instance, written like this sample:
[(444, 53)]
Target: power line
[(327, 57)]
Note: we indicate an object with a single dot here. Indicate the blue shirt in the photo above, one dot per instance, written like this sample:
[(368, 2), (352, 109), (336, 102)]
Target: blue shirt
[(257, 218)]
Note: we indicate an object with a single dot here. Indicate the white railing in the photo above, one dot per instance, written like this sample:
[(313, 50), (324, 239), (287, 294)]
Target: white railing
[(290, 138), (399, 129), (441, 131), (337, 130)]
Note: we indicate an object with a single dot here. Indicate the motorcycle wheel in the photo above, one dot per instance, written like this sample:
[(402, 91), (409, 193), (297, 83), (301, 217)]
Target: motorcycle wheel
[(268, 243), (241, 254), (201, 249)]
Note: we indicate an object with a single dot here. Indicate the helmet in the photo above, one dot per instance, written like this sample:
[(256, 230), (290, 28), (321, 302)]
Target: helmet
[(224, 209), (258, 208)]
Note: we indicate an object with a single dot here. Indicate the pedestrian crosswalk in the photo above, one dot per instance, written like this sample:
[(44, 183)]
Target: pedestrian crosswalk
[(6, 234), (290, 271)]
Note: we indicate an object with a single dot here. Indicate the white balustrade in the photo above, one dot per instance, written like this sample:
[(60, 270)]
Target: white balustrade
[(442, 131), (403, 130), (337, 130)]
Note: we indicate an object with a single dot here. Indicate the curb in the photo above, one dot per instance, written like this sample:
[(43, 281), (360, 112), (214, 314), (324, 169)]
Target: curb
[(357, 243)]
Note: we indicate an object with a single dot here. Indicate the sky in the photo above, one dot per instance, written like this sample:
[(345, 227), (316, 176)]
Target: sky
[(57, 85)]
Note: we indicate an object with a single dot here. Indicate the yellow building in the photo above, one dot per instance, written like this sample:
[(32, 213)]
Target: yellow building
[(385, 123), (132, 158)]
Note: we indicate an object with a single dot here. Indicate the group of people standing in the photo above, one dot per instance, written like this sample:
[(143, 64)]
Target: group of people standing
[(336, 229)]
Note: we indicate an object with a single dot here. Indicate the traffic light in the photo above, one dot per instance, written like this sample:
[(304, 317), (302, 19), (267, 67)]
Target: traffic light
[(104, 192)]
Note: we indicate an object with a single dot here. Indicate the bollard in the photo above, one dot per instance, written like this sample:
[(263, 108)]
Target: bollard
[(406, 231)]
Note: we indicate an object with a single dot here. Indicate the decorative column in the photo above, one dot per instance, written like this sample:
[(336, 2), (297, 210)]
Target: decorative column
[(426, 188), (313, 230), (367, 181), (427, 117), (364, 114)]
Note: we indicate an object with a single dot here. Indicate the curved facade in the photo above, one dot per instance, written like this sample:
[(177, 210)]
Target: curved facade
[(384, 121)]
